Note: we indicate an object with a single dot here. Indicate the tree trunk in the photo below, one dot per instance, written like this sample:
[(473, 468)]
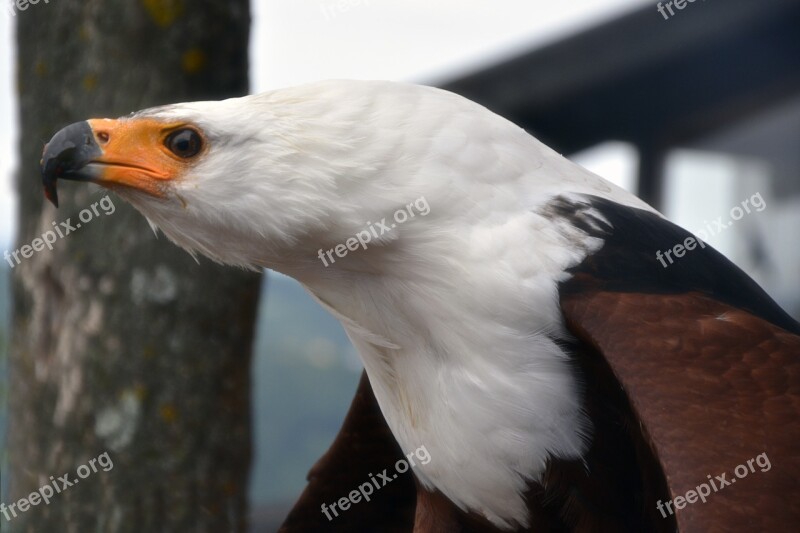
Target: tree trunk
[(122, 344)]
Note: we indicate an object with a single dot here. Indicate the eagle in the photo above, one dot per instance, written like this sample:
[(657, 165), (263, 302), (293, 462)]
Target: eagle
[(517, 322)]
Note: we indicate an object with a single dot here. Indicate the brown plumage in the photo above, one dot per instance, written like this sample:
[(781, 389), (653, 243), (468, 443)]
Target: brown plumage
[(713, 387), (363, 447)]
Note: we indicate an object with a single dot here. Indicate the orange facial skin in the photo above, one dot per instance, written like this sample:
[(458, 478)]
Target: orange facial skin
[(135, 154)]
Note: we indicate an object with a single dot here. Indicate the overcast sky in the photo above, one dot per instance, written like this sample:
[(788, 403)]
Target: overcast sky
[(296, 41)]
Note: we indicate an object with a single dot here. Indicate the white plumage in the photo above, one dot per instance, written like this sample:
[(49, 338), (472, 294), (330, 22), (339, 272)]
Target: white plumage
[(454, 314)]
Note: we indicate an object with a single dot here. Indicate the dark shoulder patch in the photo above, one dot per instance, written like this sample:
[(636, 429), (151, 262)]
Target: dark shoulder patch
[(633, 259)]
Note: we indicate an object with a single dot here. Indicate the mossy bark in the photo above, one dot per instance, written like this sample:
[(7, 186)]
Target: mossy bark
[(121, 342)]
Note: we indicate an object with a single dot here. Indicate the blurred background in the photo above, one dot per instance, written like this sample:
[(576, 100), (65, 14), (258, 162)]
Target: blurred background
[(696, 112)]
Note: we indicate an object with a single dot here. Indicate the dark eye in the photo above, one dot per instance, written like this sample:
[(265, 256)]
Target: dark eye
[(184, 143)]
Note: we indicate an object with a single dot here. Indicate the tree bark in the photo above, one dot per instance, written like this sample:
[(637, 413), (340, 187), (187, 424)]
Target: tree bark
[(121, 342)]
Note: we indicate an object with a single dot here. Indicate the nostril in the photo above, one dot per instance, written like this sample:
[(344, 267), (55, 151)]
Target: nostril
[(103, 137)]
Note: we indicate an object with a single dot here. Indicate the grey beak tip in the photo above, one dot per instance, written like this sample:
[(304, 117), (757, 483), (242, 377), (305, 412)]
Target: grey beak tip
[(64, 157)]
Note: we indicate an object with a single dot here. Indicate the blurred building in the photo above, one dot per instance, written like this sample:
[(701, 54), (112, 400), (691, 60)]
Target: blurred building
[(708, 100)]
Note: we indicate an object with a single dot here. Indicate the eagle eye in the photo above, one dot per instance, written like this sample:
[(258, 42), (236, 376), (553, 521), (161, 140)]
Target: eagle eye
[(184, 143)]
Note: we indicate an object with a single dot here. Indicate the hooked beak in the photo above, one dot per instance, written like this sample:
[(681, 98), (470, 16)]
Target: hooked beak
[(68, 156), (117, 154)]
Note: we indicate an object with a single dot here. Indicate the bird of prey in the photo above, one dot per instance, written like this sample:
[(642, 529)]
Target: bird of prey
[(515, 321)]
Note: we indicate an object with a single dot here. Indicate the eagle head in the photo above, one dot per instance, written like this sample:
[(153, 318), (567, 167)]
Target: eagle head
[(264, 180)]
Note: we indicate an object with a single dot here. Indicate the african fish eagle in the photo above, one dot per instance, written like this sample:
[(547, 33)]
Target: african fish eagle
[(522, 331)]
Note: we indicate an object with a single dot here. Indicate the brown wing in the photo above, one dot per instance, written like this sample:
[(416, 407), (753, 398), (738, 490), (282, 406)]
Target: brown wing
[(714, 387), (363, 448), (709, 363)]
